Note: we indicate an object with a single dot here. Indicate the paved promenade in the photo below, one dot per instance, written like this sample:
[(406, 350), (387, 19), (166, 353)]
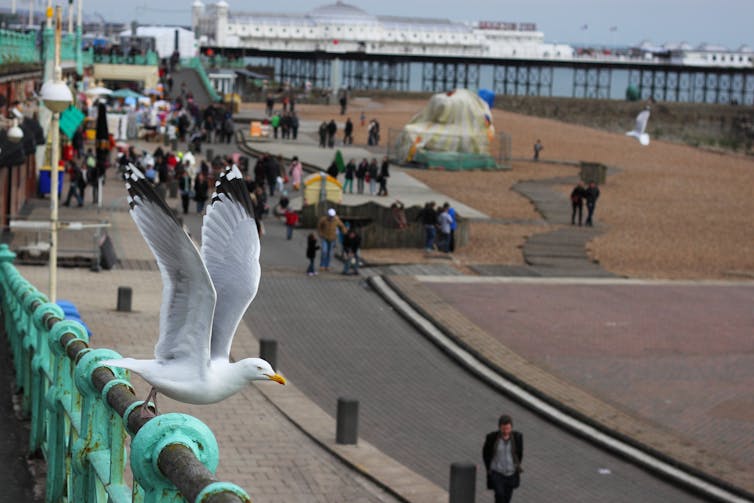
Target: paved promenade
[(419, 410)]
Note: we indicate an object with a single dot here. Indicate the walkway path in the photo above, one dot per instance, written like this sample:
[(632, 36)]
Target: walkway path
[(338, 339)]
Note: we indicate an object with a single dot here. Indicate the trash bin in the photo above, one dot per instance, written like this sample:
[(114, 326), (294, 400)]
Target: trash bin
[(45, 182), (593, 172)]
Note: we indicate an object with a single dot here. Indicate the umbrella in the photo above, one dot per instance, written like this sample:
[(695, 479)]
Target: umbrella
[(98, 91), (125, 93), (153, 92)]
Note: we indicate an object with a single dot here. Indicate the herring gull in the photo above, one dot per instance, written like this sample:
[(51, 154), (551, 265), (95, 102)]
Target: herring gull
[(641, 125), (205, 294)]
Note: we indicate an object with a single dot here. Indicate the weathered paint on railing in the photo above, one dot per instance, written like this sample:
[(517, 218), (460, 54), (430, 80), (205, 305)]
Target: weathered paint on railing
[(150, 58), (81, 411), (17, 47)]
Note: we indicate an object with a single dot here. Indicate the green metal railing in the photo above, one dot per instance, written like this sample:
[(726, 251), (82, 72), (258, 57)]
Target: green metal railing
[(150, 58), (222, 62), (16, 47), (81, 410), (196, 64)]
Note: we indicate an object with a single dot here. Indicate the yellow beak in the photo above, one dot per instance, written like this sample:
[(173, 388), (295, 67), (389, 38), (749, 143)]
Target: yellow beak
[(277, 378)]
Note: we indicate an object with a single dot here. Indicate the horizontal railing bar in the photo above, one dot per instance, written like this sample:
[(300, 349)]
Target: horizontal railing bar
[(176, 462)]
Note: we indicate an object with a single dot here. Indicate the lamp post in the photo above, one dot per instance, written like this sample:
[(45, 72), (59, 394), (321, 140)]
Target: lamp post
[(57, 97)]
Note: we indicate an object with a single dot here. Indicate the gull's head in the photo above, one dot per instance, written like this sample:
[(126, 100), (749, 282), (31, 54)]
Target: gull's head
[(257, 369)]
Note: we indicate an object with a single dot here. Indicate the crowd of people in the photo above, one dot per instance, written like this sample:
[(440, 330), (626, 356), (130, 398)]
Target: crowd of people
[(366, 172), (439, 226)]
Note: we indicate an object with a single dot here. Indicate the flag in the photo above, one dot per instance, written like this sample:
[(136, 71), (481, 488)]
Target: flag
[(613, 28), (584, 26)]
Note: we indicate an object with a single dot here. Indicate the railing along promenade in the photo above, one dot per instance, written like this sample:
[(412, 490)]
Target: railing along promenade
[(18, 47), (81, 412)]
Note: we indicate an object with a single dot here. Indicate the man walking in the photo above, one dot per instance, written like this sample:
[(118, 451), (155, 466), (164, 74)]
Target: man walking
[(348, 132), (502, 454), (577, 202), (591, 195), (327, 228)]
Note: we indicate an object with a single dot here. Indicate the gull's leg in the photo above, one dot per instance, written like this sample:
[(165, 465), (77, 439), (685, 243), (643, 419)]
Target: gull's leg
[(146, 412)]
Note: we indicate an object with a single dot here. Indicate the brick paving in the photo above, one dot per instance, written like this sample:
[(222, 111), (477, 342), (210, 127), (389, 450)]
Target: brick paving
[(336, 338), (668, 365), (420, 408), (260, 449)]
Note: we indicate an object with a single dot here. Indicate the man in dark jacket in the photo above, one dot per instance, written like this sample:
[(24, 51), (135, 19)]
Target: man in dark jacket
[(502, 454), (332, 128), (577, 202), (348, 132), (428, 217), (591, 195)]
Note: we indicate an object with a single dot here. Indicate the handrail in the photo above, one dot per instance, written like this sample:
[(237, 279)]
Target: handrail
[(81, 410), (196, 64), (17, 47)]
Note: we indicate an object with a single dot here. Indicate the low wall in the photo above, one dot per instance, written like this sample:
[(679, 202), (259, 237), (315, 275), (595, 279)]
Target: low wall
[(378, 225), (729, 127), (698, 124)]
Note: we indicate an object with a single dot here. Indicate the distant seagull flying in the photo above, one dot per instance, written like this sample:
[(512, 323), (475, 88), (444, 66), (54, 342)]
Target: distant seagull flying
[(641, 125), (204, 296)]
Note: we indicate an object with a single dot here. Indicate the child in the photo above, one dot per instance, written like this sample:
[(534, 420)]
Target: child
[(291, 220), (311, 252)]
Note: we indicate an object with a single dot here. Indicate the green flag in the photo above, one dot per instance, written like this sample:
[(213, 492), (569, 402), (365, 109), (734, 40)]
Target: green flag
[(70, 120), (339, 162)]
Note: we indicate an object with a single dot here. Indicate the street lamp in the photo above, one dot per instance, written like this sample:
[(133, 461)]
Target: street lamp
[(56, 97), (15, 133)]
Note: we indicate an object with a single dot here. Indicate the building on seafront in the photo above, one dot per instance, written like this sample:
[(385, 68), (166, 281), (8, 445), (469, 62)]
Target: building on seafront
[(343, 28)]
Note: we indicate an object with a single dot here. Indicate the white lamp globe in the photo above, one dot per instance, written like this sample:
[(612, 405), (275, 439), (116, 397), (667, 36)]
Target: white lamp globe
[(15, 133), (56, 96)]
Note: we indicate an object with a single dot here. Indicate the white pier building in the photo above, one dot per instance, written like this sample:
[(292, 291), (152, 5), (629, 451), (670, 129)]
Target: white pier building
[(340, 28)]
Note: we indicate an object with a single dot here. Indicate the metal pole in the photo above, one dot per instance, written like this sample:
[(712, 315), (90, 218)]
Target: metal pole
[(70, 17), (55, 159), (31, 12), (79, 56)]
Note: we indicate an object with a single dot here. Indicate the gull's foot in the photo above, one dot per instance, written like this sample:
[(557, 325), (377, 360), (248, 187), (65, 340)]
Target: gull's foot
[(148, 411), (149, 405)]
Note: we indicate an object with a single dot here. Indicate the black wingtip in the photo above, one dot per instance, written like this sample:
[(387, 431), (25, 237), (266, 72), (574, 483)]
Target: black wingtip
[(235, 188), (139, 188)]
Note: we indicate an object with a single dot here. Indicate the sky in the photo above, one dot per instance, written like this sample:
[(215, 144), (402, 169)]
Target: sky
[(722, 22)]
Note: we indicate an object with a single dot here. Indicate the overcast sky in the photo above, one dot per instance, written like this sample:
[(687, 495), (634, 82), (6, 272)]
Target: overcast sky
[(724, 22)]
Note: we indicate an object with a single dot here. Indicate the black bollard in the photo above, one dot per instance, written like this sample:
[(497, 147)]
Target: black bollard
[(347, 428), (268, 350), (462, 482), (124, 298), (209, 155), (173, 188)]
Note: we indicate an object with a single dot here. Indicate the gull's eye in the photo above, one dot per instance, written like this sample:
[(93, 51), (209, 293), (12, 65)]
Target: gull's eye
[(259, 368)]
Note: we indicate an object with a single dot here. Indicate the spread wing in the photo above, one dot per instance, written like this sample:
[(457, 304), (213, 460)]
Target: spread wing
[(188, 297), (230, 248), (641, 122)]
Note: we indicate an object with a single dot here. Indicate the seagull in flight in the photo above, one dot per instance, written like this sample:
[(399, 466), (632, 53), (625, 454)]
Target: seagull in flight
[(641, 125), (205, 293)]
